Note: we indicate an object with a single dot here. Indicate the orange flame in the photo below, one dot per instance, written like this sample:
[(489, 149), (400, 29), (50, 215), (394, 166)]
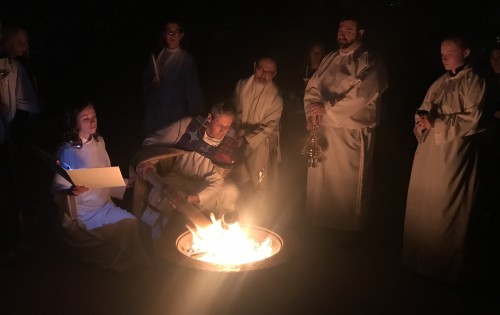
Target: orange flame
[(227, 244)]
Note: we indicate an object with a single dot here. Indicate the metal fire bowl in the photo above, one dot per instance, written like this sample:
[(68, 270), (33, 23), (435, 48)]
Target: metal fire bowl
[(175, 249)]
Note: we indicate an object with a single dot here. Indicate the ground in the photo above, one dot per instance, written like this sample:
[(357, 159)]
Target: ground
[(327, 272)]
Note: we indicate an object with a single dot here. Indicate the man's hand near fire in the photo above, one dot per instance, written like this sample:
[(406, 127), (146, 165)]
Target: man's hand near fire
[(142, 171)]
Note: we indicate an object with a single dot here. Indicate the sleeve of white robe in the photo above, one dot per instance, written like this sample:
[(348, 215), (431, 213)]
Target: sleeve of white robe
[(367, 88), (214, 182), (196, 165), (268, 124), (273, 107), (464, 121), (312, 92), (170, 134), (68, 161), (25, 92)]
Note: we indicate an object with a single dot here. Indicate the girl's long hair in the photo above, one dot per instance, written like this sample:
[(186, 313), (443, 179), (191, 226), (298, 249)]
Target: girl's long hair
[(71, 135)]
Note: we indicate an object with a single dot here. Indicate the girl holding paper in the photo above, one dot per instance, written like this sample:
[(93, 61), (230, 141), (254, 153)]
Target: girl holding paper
[(106, 234)]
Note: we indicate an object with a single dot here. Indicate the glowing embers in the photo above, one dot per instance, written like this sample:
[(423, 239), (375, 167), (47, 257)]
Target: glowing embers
[(231, 247)]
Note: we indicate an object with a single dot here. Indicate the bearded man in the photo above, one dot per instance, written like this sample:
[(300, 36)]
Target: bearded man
[(342, 99), (259, 106)]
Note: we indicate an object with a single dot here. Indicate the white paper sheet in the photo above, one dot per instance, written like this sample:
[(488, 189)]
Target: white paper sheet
[(98, 177)]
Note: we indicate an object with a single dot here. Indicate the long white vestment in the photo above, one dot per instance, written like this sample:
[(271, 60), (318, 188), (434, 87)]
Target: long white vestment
[(259, 111), (349, 85), (443, 180)]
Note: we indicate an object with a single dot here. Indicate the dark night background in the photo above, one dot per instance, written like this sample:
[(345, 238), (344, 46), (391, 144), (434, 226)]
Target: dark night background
[(99, 49)]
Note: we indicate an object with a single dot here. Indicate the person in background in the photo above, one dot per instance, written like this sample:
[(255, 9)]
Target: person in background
[(294, 96), (15, 41), (18, 109), (259, 106), (18, 98), (171, 85), (443, 181), (15, 45), (343, 101), (18, 95), (101, 232), (492, 104), (315, 53), (488, 202)]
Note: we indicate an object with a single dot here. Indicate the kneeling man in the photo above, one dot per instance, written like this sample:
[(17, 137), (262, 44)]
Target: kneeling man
[(203, 151)]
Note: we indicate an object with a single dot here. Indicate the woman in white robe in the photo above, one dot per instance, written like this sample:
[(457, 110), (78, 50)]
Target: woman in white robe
[(113, 238)]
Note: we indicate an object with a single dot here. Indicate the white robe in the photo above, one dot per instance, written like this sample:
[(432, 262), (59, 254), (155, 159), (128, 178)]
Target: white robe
[(16, 91), (443, 180), (179, 94), (258, 121), (194, 173), (117, 243), (350, 86)]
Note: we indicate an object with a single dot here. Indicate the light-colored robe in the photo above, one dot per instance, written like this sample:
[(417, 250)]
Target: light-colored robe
[(97, 214), (179, 94), (190, 173), (258, 121), (443, 180), (350, 86), (194, 173), (17, 92)]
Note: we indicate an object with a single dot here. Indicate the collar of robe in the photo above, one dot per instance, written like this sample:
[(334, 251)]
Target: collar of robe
[(173, 50), (89, 139), (221, 152), (457, 70)]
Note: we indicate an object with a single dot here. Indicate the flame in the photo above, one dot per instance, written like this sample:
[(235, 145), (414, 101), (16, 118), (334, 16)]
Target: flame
[(227, 244)]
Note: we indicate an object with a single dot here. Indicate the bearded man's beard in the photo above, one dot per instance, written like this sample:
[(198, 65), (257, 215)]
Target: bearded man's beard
[(344, 43)]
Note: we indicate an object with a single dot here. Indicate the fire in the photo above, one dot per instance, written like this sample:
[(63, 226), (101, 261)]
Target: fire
[(227, 244)]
